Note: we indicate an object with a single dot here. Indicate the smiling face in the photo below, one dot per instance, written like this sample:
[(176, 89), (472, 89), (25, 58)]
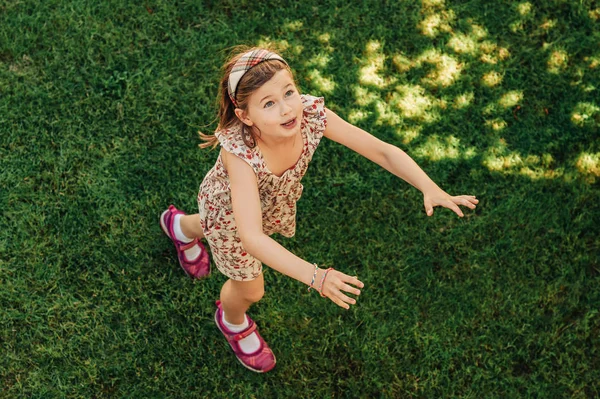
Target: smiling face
[(275, 109)]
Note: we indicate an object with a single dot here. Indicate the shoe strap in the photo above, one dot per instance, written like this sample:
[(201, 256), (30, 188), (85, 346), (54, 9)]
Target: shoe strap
[(189, 245), (246, 332)]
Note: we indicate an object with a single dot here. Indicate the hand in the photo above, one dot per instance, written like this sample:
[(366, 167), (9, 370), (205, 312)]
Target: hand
[(439, 197), (336, 282)]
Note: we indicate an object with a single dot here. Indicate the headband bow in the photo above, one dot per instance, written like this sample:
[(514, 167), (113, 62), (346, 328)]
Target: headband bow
[(244, 64)]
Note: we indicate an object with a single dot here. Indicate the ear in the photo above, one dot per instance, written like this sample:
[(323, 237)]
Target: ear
[(243, 116)]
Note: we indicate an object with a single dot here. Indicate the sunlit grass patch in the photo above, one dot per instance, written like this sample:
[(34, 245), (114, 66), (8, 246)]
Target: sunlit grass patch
[(446, 68), (373, 61), (357, 115), (409, 134), (436, 19), (363, 96), (281, 46), (402, 63), (293, 26), (491, 79), (589, 164), (593, 61), (414, 103), (324, 84), (557, 62), (496, 124), (524, 8), (463, 100), (586, 114), (437, 148), (511, 98), (462, 43), (320, 60)]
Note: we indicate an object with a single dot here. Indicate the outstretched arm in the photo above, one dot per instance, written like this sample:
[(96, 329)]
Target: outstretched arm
[(397, 162)]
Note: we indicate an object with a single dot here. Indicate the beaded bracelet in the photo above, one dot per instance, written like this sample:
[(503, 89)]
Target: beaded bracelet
[(323, 281), (314, 276)]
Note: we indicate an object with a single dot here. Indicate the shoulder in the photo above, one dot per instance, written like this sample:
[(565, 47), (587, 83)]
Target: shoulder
[(312, 104), (314, 115)]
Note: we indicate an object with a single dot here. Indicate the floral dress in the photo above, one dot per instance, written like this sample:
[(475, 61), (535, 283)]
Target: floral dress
[(278, 194)]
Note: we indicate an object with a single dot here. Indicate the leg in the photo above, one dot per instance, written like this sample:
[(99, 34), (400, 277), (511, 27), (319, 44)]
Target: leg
[(237, 296), (191, 227)]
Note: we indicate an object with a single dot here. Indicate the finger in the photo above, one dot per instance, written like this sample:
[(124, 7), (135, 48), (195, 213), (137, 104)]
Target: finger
[(467, 204), (451, 205), (428, 208), (355, 281), (350, 289), (346, 298), (340, 303)]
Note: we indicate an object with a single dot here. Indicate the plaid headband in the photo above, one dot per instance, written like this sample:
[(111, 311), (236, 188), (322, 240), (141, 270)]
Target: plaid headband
[(244, 64)]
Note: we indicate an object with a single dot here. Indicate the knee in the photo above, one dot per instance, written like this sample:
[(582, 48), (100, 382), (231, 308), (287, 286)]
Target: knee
[(255, 295)]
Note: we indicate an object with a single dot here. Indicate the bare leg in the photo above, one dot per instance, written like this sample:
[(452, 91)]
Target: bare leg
[(191, 227), (237, 296)]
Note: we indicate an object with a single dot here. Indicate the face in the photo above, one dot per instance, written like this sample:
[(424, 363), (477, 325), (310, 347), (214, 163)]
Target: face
[(275, 108)]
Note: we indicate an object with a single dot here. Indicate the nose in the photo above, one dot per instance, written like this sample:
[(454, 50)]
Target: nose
[(285, 108)]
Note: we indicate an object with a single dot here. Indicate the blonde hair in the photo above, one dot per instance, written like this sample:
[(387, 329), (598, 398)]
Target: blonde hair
[(250, 82)]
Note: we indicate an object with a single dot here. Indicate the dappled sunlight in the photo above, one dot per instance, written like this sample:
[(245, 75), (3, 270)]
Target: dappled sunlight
[(498, 158), (325, 39), (589, 165), (496, 124), (364, 97), (586, 115), (511, 98), (594, 14), (322, 83), (293, 26), (464, 100), (357, 115), (557, 62), (281, 46), (524, 8), (413, 103), (411, 96), (548, 24), (462, 44), (409, 134), (491, 79), (372, 64), (447, 69), (436, 19), (491, 53), (593, 61), (436, 149), (402, 63), (319, 61)]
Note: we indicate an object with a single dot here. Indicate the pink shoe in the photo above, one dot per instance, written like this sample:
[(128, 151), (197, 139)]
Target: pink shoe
[(197, 268), (262, 360)]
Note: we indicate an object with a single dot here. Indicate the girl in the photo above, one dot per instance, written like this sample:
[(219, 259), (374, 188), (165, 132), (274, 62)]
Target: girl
[(268, 133)]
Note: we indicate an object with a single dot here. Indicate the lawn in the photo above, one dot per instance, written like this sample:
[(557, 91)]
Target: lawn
[(100, 105)]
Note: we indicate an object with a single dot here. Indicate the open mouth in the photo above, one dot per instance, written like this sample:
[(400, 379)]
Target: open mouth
[(289, 123)]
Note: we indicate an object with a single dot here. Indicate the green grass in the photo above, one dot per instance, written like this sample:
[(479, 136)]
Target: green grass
[(100, 103)]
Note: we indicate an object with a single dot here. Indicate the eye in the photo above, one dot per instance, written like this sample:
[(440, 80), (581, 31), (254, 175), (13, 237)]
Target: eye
[(268, 104), (289, 93)]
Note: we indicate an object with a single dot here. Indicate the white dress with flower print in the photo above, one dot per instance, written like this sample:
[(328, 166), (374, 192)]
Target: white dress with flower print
[(278, 194)]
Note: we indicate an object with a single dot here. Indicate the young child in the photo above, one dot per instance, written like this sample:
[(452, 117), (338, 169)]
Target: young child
[(268, 133)]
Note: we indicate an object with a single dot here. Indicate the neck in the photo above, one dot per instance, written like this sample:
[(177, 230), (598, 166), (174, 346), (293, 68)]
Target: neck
[(278, 143)]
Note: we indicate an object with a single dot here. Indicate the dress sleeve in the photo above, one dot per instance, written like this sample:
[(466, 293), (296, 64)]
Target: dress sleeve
[(315, 118), (231, 141)]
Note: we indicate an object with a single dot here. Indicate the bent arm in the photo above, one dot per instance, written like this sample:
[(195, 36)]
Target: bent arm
[(248, 219), (274, 255)]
